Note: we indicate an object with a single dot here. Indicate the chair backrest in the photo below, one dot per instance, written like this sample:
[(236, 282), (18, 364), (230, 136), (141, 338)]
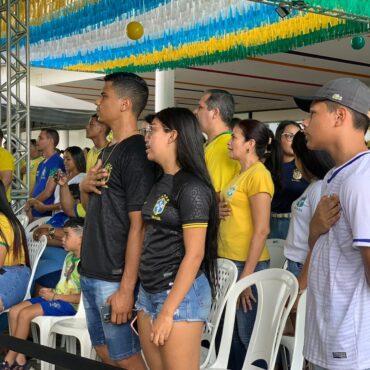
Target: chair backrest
[(297, 356), (276, 250), (277, 290), (40, 221), (226, 278), (35, 250), (23, 219)]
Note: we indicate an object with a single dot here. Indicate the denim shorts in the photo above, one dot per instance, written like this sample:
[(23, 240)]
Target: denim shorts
[(121, 340), (13, 284), (194, 307), (294, 267), (56, 307)]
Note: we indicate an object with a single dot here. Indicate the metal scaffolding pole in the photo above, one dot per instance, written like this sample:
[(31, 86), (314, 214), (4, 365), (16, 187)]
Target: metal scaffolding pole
[(15, 91)]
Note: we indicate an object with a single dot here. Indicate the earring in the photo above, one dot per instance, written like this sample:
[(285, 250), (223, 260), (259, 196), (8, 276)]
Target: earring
[(247, 150)]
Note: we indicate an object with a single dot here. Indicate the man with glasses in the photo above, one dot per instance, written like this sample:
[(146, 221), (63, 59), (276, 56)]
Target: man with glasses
[(113, 194), (337, 334)]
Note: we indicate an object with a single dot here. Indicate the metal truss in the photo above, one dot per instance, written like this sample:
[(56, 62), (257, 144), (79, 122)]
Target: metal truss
[(304, 6), (15, 91)]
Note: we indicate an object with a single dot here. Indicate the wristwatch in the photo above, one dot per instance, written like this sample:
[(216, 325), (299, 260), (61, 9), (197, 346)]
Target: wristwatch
[(51, 232)]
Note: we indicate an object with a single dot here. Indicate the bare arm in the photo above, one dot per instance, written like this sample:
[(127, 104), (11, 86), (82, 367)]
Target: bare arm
[(67, 201), (48, 191), (49, 295), (327, 213), (194, 241), (122, 301), (260, 208), (6, 177)]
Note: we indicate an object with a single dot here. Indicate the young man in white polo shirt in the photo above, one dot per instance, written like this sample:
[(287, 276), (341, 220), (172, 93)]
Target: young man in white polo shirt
[(337, 334)]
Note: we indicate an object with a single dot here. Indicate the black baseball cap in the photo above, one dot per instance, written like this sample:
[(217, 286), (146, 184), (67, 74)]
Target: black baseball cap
[(350, 92)]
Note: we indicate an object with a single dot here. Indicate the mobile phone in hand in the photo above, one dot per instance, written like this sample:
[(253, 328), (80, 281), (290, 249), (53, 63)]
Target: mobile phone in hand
[(106, 312)]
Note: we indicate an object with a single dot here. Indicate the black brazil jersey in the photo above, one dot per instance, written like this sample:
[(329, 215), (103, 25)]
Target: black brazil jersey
[(131, 176), (175, 202)]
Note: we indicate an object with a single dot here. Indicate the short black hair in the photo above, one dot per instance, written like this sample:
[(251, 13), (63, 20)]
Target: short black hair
[(75, 223), (52, 134), (33, 142), (131, 85), (360, 121)]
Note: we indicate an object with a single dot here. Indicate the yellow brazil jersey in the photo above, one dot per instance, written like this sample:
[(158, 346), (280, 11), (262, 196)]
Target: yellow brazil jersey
[(7, 243), (236, 231), (92, 157), (7, 163), (220, 166), (34, 163)]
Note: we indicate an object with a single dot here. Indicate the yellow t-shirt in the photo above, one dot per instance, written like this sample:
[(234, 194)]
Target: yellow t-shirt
[(7, 243), (222, 169), (235, 233), (34, 163), (92, 157), (7, 163)]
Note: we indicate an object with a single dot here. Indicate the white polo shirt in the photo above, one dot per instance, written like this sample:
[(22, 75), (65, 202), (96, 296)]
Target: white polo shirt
[(303, 208), (337, 332)]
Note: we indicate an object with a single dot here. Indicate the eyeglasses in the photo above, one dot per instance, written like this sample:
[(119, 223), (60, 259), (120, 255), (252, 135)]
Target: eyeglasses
[(288, 136), (149, 130)]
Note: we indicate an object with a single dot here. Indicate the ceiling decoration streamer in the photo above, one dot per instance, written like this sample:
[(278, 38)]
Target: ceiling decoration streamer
[(90, 35)]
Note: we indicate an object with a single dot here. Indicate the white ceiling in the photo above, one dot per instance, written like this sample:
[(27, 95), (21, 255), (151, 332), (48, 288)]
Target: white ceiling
[(264, 84)]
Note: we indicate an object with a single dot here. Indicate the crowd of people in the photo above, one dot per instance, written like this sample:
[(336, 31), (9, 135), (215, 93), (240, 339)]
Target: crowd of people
[(137, 224)]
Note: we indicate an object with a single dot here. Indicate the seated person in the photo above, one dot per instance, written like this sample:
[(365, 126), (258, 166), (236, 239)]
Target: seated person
[(14, 261), (61, 301)]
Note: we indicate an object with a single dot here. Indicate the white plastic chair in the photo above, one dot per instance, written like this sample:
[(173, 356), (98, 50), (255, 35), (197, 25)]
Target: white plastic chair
[(276, 250), (227, 275), (40, 221), (35, 250), (277, 290), (294, 345), (74, 327), (23, 219)]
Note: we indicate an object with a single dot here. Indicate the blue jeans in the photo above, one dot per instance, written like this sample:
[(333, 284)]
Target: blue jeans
[(294, 267), (279, 228), (121, 340), (13, 284), (244, 323), (194, 307)]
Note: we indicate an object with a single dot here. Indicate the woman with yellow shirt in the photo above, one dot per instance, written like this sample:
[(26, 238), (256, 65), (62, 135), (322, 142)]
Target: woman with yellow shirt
[(14, 262), (245, 217)]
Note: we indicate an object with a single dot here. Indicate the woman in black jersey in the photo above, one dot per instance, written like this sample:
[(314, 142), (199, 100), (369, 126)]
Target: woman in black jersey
[(178, 263)]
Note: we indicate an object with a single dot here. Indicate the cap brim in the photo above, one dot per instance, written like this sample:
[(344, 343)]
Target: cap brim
[(304, 102)]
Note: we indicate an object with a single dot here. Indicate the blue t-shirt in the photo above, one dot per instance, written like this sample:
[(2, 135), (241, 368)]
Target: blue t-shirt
[(293, 186), (47, 168)]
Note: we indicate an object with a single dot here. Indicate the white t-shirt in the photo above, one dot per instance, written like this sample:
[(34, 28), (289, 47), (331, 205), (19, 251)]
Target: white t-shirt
[(296, 243), (74, 180), (337, 332)]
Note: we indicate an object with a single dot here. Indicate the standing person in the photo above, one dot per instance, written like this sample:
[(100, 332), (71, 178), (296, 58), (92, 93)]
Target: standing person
[(97, 132), (7, 167), (180, 246), (14, 261), (45, 185), (288, 181), (35, 159), (337, 333), (215, 112), (113, 194), (244, 227), (313, 165)]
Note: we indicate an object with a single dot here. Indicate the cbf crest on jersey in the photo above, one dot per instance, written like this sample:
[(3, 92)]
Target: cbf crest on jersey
[(160, 205), (231, 191)]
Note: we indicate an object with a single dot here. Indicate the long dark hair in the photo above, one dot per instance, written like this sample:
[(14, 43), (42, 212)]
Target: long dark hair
[(78, 157), (20, 240), (190, 157), (274, 163), (315, 162)]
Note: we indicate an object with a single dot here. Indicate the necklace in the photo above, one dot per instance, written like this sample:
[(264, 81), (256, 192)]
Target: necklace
[(109, 155)]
